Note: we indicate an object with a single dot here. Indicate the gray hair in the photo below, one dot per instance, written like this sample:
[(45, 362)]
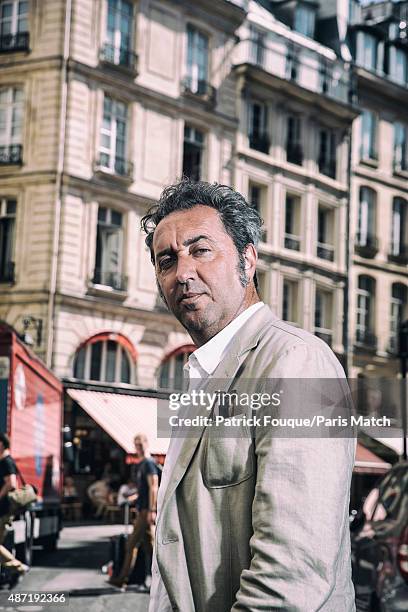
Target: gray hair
[(241, 221)]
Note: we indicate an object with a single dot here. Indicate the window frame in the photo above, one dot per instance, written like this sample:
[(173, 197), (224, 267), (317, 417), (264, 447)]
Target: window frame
[(7, 244), (365, 307), (15, 17), (310, 11), (111, 151), (368, 135), (199, 145), (293, 300), (362, 52), (105, 227), (293, 237), (87, 365), (366, 216), (11, 107), (400, 151), (196, 84)]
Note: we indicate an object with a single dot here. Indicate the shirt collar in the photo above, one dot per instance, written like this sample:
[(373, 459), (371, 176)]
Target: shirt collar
[(210, 354)]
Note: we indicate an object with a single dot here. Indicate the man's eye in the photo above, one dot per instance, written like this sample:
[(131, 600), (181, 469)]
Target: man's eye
[(202, 250), (165, 263)]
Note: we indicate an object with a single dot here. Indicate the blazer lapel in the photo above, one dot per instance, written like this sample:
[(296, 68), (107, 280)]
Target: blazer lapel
[(220, 381)]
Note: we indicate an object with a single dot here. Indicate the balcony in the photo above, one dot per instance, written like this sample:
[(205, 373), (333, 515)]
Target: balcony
[(119, 57), (7, 272), (200, 89), (327, 167), (294, 153), (398, 254), (301, 71), (292, 242), (259, 142), (366, 339), (366, 246), (11, 154), (116, 281), (324, 334), (325, 251), (119, 167), (9, 43)]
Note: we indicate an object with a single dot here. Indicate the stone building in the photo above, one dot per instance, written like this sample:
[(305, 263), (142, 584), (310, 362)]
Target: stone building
[(103, 102)]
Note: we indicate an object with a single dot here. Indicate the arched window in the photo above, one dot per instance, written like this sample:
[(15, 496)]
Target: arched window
[(397, 313), (171, 375), (106, 358), (365, 327)]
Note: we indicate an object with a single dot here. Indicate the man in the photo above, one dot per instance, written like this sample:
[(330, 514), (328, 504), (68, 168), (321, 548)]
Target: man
[(251, 522), (146, 480), (8, 482)]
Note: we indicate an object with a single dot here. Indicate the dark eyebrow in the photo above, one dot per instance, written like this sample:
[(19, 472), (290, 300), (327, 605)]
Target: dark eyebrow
[(188, 242)]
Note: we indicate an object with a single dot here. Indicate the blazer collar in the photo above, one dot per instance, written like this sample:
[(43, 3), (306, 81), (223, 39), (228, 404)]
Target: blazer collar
[(246, 339)]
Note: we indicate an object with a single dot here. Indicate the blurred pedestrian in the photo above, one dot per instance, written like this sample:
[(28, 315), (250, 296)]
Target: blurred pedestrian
[(98, 492), (8, 482), (145, 477)]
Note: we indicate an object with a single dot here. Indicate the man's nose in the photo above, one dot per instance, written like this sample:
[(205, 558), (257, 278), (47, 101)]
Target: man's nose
[(185, 269)]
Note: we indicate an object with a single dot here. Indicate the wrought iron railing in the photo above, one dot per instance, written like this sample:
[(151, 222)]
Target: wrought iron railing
[(119, 166), (325, 251), (259, 142), (14, 42), (366, 338), (200, 88), (11, 154), (292, 242), (118, 56)]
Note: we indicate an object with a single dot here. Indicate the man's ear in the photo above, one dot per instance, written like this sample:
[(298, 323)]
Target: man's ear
[(250, 255)]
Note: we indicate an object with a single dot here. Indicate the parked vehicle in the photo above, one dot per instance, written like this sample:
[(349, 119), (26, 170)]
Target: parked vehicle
[(31, 413), (379, 538)]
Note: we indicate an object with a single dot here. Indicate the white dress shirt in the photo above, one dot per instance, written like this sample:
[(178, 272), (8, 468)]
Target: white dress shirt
[(201, 364)]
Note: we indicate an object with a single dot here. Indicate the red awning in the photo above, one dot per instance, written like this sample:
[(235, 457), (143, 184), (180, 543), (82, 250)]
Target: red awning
[(369, 463)]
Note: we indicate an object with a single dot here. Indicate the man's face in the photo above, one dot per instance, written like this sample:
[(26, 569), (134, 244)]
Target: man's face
[(197, 269), (140, 446)]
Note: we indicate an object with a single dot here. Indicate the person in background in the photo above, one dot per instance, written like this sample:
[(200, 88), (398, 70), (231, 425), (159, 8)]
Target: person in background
[(70, 492), (98, 493), (127, 492), (145, 478), (8, 482)]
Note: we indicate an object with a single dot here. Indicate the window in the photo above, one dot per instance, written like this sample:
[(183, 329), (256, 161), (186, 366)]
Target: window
[(400, 147), (399, 228), (171, 375), (368, 148), (119, 23), (108, 259), (257, 48), (367, 47), (11, 120), (365, 311), (105, 361), (323, 315), (7, 223), (294, 152), (397, 313), (257, 198), (13, 25), (398, 65), (327, 153), (325, 76), (292, 62), (292, 222), (258, 127), (113, 137), (325, 233), (366, 235), (262, 278), (290, 301), (197, 61), (305, 20), (193, 152)]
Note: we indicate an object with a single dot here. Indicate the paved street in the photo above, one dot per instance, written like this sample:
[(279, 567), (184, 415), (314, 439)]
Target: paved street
[(76, 567)]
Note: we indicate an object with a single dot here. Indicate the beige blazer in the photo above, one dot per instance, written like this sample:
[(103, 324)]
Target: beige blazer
[(260, 523)]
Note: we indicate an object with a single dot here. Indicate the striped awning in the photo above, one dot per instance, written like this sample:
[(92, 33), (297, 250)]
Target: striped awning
[(122, 417)]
